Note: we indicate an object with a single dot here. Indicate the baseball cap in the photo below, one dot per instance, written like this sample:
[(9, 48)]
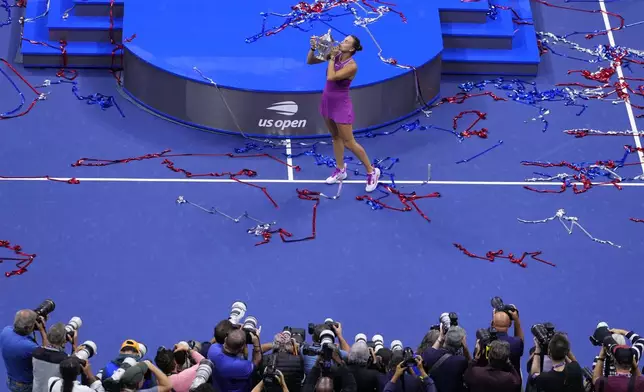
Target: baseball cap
[(132, 344), (135, 374), (454, 336)]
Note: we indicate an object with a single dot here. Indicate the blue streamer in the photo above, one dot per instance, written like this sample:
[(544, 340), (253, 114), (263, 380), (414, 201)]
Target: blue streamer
[(22, 96), (5, 4), (481, 153), (103, 101)]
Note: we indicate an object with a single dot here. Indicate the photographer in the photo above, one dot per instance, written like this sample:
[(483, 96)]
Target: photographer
[(446, 361), (180, 374), (359, 359), (129, 349), (566, 374), (18, 347), (285, 360), (404, 373), (70, 369), (428, 341), (47, 358), (134, 378), (221, 331), (336, 328), (627, 378), (233, 373), (280, 380), (619, 336), (499, 375), (329, 375), (502, 321)]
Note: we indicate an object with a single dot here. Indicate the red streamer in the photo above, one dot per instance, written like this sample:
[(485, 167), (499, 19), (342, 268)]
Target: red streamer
[(92, 162), (637, 220), (22, 262), (63, 72), (491, 256), (585, 181), (116, 72), (483, 133), (31, 87), (285, 236), (408, 201), (72, 180)]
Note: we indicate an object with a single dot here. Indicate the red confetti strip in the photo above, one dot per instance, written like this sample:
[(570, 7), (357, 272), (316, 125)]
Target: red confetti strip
[(92, 162), (483, 133), (285, 236), (72, 180), (22, 262), (408, 201), (117, 47), (499, 254), (63, 72), (462, 97), (582, 178), (39, 96), (637, 220)]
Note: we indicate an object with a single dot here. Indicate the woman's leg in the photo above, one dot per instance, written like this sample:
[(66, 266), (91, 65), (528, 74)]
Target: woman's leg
[(346, 134), (373, 174), (338, 144)]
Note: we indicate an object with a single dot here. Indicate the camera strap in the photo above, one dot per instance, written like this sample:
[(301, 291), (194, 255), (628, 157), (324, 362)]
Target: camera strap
[(51, 388), (631, 384), (438, 363)]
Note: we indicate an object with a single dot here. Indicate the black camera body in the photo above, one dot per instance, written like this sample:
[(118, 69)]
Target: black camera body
[(409, 359), (543, 333), (486, 336), (47, 306), (270, 377), (326, 325), (297, 334), (499, 306)]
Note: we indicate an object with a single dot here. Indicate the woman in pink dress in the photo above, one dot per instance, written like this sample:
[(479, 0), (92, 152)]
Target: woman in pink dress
[(337, 109)]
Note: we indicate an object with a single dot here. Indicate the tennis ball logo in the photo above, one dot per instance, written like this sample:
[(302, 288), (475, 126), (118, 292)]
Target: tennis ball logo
[(285, 108)]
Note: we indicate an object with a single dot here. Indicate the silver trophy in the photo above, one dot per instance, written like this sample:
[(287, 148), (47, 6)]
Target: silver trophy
[(323, 46)]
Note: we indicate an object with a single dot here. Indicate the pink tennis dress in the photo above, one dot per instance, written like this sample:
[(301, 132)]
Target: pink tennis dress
[(336, 102)]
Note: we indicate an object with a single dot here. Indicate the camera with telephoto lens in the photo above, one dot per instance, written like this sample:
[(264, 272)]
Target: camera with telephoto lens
[(376, 343), (409, 359), (271, 378), (324, 349), (113, 383), (297, 334), (396, 345), (328, 324), (604, 337), (445, 321), (237, 312), (47, 306), (543, 333), (86, 351), (204, 371), (485, 336), (183, 358), (499, 306), (73, 325), (251, 328)]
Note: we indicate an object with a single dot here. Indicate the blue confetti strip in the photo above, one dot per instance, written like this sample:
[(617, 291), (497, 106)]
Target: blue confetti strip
[(5, 4), (22, 96), (500, 142), (103, 101)]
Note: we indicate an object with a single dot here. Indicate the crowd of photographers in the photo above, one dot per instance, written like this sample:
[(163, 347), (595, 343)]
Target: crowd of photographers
[(235, 360)]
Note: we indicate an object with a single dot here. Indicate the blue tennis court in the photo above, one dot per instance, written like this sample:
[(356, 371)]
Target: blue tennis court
[(114, 247)]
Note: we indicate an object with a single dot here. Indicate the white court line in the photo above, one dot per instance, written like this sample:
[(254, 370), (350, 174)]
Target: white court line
[(289, 160), (620, 73), (270, 181)]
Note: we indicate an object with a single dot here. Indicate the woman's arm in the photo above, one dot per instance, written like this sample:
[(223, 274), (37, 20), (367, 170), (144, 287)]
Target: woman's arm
[(347, 72), (310, 56)]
